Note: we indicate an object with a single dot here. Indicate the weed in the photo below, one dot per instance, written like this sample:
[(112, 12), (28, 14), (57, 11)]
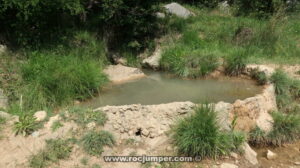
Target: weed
[(258, 137), (84, 161), (56, 125), (96, 166), (199, 135), (84, 116), (26, 124), (93, 142), (281, 82), (55, 150)]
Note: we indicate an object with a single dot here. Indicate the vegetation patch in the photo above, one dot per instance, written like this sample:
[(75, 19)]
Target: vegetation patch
[(83, 116), (286, 129), (93, 142), (200, 135), (56, 125), (55, 150), (259, 76), (26, 124)]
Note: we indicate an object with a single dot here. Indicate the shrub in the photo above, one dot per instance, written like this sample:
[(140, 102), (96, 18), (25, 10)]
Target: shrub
[(281, 82), (26, 124), (55, 150), (84, 116), (93, 142), (259, 76), (55, 80), (199, 135), (236, 63)]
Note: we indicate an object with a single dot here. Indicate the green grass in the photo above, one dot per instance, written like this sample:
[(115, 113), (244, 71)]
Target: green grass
[(274, 40), (55, 150), (83, 116), (200, 135), (259, 76), (26, 125), (286, 129), (93, 142), (56, 125)]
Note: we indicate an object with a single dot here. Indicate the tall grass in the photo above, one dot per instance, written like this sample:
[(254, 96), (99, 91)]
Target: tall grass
[(200, 135)]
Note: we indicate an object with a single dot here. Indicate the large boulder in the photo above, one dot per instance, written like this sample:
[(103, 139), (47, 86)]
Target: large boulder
[(3, 100), (119, 73), (153, 61), (178, 10)]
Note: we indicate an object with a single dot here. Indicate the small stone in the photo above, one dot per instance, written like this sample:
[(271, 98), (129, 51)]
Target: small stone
[(91, 125), (234, 155), (35, 134), (271, 155), (145, 132), (297, 163), (4, 115), (40, 115), (228, 165), (250, 154)]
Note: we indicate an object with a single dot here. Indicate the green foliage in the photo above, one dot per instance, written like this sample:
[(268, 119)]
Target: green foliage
[(286, 129), (199, 135), (56, 125), (55, 80), (93, 142), (55, 150), (187, 59), (26, 124), (259, 76), (236, 63), (84, 116)]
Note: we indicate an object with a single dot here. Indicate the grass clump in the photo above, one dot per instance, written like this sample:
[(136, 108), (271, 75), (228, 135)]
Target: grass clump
[(286, 129), (55, 150), (83, 116), (186, 58), (56, 125), (200, 135), (259, 76), (236, 63), (56, 80), (26, 125), (93, 142)]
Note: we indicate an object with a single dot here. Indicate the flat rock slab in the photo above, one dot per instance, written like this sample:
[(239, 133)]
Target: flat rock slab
[(178, 10), (119, 73)]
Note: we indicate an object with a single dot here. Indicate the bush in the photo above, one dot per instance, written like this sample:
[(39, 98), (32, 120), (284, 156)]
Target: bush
[(26, 124), (84, 116), (55, 150), (236, 63), (199, 135), (56, 80), (93, 142)]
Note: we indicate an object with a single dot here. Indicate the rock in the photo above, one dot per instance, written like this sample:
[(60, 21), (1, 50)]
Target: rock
[(297, 163), (228, 165), (153, 61), (249, 154), (261, 68), (222, 109), (3, 49), (178, 10), (40, 115), (121, 61), (91, 125), (160, 15), (35, 134), (4, 115), (271, 155), (234, 155), (119, 73), (3, 99)]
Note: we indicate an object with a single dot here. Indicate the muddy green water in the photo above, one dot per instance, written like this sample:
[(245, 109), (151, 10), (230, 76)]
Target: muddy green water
[(158, 88)]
